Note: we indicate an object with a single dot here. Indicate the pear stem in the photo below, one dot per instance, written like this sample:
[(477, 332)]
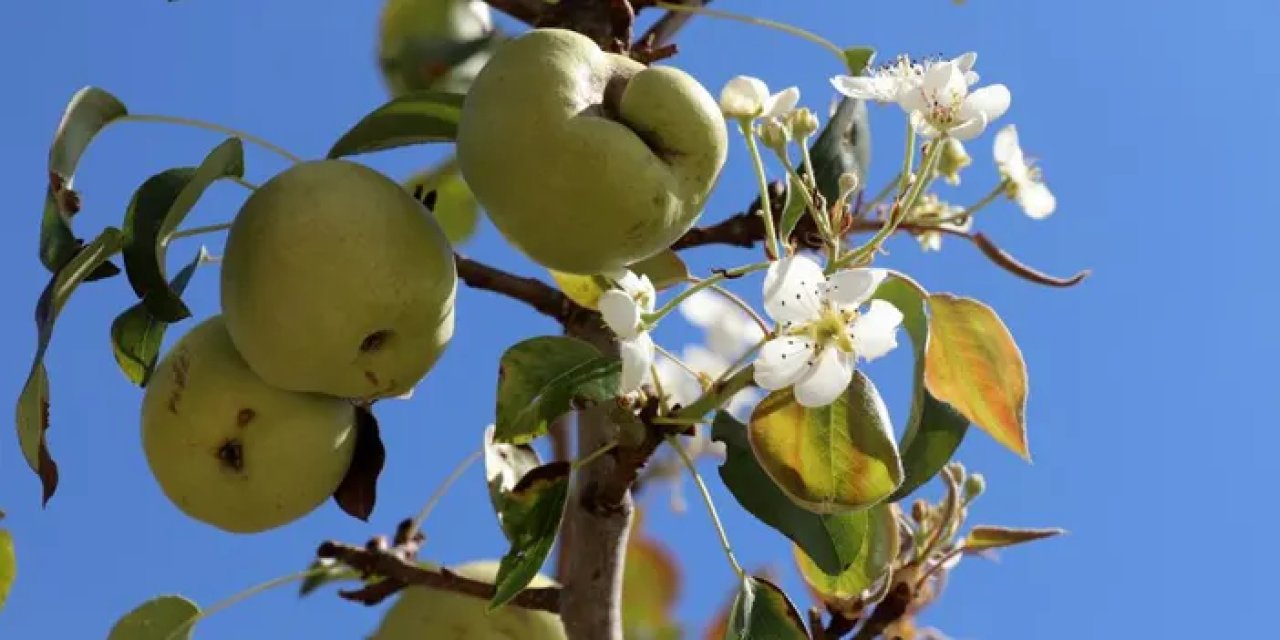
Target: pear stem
[(760, 22), (438, 494), (212, 126)]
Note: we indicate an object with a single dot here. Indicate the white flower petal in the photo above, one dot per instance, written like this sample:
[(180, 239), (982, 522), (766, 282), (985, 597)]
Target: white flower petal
[(1006, 148), (1036, 200), (783, 361), (637, 356), (620, 312), (965, 61), (969, 129), (743, 97), (875, 332), (781, 103), (923, 127), (992, 101), (852, 287), (793, 289), (704, 308), (826, 380), (877, 88)]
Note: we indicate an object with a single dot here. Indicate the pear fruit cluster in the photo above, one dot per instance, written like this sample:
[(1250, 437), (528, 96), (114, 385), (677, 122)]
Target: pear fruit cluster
[(588, 161), (422, 612), (337, 288)]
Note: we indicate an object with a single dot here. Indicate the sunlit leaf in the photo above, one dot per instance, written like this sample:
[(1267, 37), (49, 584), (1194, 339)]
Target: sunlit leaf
[(162, 618), (665, 269), (456, 208), (533, 512), (136, 335), (650, 587), (358, 492), (986, 537), (414, 118), (934, 430), (874, 533), (33, 401), (973, 364), (8, 565), (155, 211), (88, 112), (541, 379), (762, 610), (843, 146), (504, 466), (832, 459), (584, 290), (823, 537)]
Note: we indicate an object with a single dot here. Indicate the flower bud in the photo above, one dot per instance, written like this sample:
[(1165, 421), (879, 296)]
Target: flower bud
[(954, 158), (774, 134), (974, 485), (849, 182), (803, 122)]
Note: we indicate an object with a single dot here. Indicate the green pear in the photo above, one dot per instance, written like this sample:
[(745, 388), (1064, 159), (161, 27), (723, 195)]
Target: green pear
[(336, 280), (432, 44), (420, 612), (588, 161), (233, 452)]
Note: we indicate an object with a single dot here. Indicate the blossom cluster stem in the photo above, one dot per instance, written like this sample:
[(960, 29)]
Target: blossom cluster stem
[(710, 504), (766, 212)]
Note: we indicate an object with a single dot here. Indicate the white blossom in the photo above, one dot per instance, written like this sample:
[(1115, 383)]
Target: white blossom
[(888, 82), (745, 97), (941, 103), (623, 309), (822, 328), (1026, 185)]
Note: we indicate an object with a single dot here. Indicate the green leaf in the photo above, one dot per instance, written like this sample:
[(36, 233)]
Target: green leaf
[(792, 209), (414, 118), (456, 208), (156, 210), (985, 537), (162, 618), (832, 459), (874, 534), (326, 573), (761, 611), (504, 466), (934, 430), (843, 146), (858, 59), (665, 269), (973, 364), (831, 541), (136, 335), (533, 512), (541, 379), (33, 402), (90, 110), (8, 565)]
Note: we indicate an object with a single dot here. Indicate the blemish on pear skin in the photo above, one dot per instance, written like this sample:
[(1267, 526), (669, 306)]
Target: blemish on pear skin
[(181, 367), (231, 454), (245, 416), (372, 378), (375, 341)]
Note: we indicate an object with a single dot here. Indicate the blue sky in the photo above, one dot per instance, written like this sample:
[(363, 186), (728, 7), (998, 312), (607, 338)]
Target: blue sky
[(1149, 443)]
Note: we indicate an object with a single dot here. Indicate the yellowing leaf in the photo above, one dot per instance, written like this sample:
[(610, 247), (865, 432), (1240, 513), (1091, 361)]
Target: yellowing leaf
[(584, 290), (8, 565), (665, 270), (876, 531), (984, 537), (973, 364), (832, 459)]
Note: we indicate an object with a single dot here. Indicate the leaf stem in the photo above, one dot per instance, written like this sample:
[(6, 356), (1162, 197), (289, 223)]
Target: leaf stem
[(591, 457), (710, 504), (766, 207), (197, 231), (760, 22), (438, 494), (212, 126), (242, 596), (244, 183)]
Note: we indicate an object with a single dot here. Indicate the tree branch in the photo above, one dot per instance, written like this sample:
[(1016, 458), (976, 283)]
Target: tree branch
[(526, 11), (401, 572), (667, 26), (543, 297)]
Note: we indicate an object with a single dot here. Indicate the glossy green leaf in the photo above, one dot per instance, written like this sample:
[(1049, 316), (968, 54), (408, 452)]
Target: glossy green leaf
[(664, 269), (832, 459), (824, 538), (541, 379), (414, 118), (985, 537), (162, 618), (8, 565), (504, 466), (33, 402), (456, 208), (874, 533), (973, 364), (89, 111), (650, 587), (157, 208), (761, 611), (843, 146), (858, 59), (934, 430), (136, 335), (532, 513), (792, 209)]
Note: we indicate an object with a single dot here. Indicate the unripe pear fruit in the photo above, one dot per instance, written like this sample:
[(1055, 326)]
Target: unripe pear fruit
[(336, 280), (421, 612), (422, 44), (232, 451), (588, 161)]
